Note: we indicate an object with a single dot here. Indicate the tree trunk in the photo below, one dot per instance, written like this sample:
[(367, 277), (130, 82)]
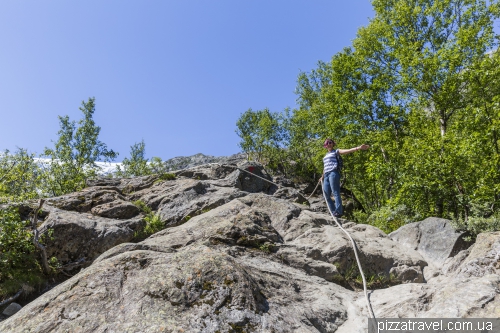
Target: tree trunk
[(36, 234)]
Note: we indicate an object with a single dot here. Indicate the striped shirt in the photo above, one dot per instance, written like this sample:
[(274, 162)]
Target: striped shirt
[(330, 161)]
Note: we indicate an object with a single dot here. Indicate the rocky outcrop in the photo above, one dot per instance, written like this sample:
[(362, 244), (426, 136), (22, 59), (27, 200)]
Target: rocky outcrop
[(87, 223), (465, 287), (77, 236), (378, 253), (187, 162), (434, 238), (241, 255), (219, 271), (195, 289), (483, 258)]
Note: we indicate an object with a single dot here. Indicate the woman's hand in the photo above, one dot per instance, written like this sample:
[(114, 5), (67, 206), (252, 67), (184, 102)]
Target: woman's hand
[(364, 147)]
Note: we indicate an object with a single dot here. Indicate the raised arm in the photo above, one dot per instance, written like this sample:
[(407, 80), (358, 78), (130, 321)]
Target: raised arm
[(352, 150)]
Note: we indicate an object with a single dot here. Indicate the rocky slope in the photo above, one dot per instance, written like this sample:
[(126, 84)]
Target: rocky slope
[(242, 255)]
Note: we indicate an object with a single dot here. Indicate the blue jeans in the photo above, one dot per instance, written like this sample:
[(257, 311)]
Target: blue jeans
[(331, 183)]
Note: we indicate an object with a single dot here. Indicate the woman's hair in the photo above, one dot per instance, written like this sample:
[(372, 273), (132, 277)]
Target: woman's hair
[(327, 141)]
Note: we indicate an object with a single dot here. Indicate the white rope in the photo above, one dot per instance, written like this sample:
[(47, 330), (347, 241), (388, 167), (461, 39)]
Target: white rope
[(368, 305), (314, 191), (267, 180), (253, 174)]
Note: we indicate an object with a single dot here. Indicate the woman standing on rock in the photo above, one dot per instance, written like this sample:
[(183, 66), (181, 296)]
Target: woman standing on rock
[(331, 174)]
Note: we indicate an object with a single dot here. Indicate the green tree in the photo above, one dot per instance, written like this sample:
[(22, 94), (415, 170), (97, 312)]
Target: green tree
[(19, 176), (158, 167), (419, 87), (428, 45), (72, 160), (263, 134), (478, 140), (137, 165), (260, 131)]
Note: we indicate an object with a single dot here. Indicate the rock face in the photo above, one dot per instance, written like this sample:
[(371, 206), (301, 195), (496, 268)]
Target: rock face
[(471, 289), (186, 162), (89, 222), (76, 235), (434, 238), (484, 257), (241, 255)]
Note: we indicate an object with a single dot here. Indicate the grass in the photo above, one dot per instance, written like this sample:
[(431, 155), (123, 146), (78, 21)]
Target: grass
[(164, 176), (265, 248), (142, 206)]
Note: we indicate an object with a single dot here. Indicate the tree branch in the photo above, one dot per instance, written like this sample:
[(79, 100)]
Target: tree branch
[(36, 234), (72, 265), (12, 299)]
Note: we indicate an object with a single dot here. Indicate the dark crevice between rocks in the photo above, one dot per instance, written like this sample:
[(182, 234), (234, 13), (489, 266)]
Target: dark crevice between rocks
[(33, 293)]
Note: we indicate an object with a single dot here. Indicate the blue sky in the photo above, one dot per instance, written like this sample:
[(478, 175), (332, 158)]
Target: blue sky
[(176, 73)]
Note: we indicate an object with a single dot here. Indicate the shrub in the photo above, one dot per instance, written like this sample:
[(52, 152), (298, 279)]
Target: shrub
[(167, 176), (18, 261), (142, 206), (360, 216), (389, 219), (138, 165), (19, 176), (476, 225), (265, 248), (73, 158), (153, 221), (352, 278)]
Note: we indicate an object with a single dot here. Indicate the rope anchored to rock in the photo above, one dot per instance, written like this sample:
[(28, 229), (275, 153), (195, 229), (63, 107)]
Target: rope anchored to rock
[(253, 174), (279, 186)]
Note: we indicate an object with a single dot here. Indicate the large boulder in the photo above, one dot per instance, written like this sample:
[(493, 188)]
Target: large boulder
[(87, 223), (82, 235), (119, 209), (379, 255), (454, 298), (469, 290), (434, 238), (92, 199), (300, 238), (252, 177)]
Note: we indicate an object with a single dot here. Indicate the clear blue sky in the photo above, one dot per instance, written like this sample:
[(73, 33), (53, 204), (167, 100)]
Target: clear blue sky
[(176, 73)]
